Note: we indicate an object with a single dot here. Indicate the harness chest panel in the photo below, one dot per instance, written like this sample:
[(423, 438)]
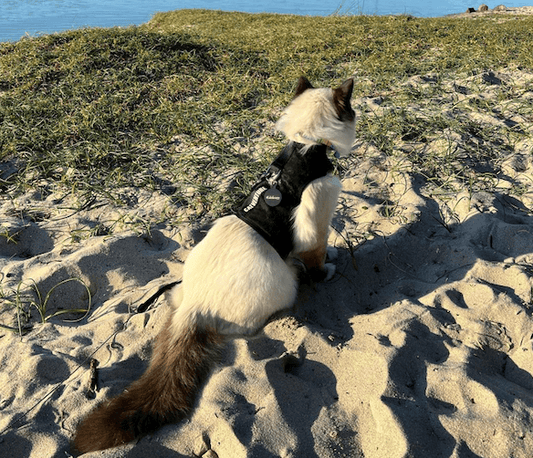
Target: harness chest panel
[(269, 207)]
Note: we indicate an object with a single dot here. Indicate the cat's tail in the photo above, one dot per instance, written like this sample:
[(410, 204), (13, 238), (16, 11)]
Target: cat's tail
[(164, 394)]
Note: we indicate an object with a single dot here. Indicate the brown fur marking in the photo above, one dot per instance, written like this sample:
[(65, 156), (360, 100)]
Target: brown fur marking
[(315, 258), (303, 85), (164, 394), (341, 100)]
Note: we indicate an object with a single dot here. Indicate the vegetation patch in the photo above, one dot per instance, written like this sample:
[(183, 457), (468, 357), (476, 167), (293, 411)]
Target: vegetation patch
[(184, 105)]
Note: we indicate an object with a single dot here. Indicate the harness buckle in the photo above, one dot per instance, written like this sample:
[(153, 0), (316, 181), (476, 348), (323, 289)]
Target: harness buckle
[(272, 175)]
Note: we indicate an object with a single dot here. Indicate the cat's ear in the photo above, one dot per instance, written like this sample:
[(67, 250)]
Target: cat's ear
[(303, 85), (341, 98)]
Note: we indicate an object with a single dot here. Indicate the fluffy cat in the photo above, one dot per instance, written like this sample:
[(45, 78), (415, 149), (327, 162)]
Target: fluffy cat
[(241, 272)]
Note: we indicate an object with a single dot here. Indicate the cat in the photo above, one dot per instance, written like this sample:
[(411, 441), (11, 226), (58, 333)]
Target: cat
[(242, 272)]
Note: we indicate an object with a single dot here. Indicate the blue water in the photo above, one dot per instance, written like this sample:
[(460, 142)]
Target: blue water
[(20, 17)]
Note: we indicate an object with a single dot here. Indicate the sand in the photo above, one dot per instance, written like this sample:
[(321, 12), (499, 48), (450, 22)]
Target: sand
[(420, 346), (499, 10)]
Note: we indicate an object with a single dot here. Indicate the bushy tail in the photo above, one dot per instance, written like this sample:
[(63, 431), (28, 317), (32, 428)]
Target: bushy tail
[(164, 394)]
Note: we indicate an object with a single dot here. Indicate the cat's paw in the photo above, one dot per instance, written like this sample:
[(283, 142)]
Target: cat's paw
[(329, 270), (331, 253), (319, 274)]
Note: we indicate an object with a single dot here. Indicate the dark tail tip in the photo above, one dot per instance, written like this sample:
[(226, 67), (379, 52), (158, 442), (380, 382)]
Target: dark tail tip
[(164, 394), (103, 429)]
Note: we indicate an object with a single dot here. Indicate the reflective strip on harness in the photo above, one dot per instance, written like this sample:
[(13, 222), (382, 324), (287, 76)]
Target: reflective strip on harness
[(255, 199)]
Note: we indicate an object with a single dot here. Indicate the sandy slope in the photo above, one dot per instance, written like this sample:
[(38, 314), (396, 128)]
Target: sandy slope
[(421, 345)]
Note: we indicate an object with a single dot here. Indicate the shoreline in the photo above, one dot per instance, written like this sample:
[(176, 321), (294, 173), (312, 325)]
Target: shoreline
[(508, 11)]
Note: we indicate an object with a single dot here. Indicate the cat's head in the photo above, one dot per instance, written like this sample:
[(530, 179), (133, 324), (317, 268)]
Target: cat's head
[(320, 115)]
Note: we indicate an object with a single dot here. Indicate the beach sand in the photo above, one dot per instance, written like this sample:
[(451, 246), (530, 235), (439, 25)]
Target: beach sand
[(421, 345), (500, 10)]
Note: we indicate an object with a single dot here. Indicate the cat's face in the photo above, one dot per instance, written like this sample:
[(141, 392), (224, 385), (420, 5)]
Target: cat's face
[(321, 113)]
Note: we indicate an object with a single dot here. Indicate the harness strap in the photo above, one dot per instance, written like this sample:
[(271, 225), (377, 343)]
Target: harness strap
[(269, 207), (274, 170)]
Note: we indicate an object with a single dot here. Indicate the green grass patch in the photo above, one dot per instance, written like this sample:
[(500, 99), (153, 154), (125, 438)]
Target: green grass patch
[(29, 297), (179, 104)]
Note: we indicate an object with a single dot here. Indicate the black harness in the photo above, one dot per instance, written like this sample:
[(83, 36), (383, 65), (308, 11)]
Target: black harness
[(269, 207)]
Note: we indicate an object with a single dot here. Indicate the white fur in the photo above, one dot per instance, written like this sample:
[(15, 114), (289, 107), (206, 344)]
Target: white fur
[(234, 280), (311, 116), (313, 216), (332, 253), (330, 270)]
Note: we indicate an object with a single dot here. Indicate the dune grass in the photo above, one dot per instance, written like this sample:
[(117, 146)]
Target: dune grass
[(28, 298), (179, 105)]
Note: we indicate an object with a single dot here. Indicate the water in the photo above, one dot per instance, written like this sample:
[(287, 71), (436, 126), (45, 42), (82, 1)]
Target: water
[(18, 17)]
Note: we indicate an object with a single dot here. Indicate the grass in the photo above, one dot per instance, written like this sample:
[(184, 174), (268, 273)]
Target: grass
[(174, 104), (183, 106), (25, 298)]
